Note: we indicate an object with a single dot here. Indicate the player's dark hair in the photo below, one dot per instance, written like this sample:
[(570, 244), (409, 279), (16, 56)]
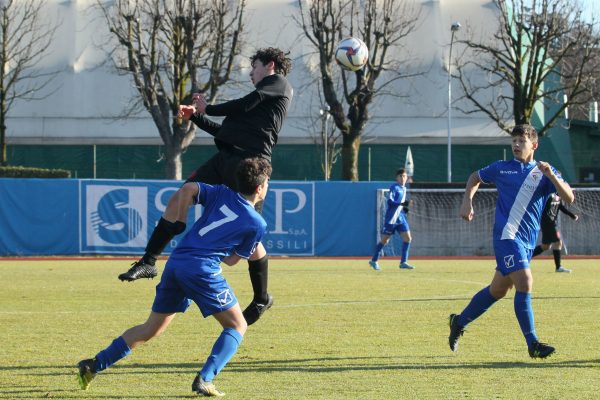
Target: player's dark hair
[(251, 173), (400, 171), (525, 130), (283, 65)]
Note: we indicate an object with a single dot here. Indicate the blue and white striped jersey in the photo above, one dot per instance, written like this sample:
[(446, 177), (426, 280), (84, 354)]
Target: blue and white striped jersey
[(397, 196), (229, 224), (522, 194)]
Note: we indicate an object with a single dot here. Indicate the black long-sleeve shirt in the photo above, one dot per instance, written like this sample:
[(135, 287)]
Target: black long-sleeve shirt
[(553, 206), (252, 123)]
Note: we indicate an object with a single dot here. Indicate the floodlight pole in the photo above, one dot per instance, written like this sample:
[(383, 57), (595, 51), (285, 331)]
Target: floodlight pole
[(453, 28), (324, 111)]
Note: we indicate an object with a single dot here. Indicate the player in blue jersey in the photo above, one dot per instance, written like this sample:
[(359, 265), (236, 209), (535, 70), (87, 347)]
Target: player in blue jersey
[(395, 221), (524, 185), (250, 128), (228, 230)]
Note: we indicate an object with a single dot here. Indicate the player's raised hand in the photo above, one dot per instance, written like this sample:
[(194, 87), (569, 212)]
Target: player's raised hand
[(185, 112), (199, 102), (545, 168), (466, 211)]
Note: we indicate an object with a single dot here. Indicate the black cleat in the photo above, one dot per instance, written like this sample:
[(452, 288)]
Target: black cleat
[(540, 350), (456, 331), (204, 388), (139, 269), (85, 373), (255, 310)]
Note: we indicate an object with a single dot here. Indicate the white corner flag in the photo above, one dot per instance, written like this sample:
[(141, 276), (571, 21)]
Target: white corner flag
[(409, 166)]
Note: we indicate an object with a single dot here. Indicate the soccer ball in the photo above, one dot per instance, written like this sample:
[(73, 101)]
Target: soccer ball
[(351, 54)]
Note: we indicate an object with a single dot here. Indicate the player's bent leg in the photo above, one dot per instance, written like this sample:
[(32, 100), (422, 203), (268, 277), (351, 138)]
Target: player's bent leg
[(154, 326), (258, 268), (170, 225), (523, 280), (121, 347), (406, 239), (234, 326)]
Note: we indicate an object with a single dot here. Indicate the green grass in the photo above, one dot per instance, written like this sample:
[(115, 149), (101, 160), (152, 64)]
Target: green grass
[(338, 330)]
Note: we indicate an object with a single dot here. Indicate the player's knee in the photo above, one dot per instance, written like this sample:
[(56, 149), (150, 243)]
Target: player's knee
[(499, 292), (242, 327)]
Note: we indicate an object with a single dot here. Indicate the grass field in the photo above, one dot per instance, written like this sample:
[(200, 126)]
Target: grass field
[(338, 330)]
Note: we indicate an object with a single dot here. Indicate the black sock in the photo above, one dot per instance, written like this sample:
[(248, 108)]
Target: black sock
[(556, 254), (259, 275), (161, 236), (537, 251)]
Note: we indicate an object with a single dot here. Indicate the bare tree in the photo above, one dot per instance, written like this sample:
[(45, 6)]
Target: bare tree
[(382, 25), (542, 51), (172, 49), (26, 32)]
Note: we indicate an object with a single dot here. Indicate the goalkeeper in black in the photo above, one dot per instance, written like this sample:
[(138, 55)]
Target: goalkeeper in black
[(550, 228), (250, 129)]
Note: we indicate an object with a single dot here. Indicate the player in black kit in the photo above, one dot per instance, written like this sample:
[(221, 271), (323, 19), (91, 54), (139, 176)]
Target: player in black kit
[(551, 230), (250, 129)]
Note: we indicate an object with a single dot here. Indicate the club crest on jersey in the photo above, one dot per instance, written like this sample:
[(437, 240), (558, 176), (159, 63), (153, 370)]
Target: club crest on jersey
[(509, 261), (224, 297)]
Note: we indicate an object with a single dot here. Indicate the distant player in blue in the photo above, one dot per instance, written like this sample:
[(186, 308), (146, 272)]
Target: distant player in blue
[(395, 221), (228, 230), (524, 186)]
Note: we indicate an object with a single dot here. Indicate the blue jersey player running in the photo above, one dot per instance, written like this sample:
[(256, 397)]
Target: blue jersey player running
[(524, 186), (228, 230), (395, 221)]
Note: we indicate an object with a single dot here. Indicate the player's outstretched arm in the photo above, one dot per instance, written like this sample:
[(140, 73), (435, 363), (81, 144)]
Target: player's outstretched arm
[(466, 208), (564, 190)]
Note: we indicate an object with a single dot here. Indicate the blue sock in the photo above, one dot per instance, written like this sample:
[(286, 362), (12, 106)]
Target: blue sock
[(225, 347), (118, 349), (405, 247), (377, 251), (478, 305), (524, 314)]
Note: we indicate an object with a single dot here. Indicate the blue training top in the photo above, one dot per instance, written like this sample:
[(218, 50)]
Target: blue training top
[(522, 194), (229, 224), (397, 196)]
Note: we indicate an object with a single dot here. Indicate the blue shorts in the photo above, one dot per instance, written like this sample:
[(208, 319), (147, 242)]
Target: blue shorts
[(389, 229), (200, 281), (511, 256)]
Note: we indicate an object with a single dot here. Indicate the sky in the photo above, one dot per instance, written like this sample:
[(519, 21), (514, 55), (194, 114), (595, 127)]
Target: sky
[(591, 7)]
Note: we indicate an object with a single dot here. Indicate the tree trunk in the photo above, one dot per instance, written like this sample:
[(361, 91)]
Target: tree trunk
[(350, 147), (3, 160), (173, 161)]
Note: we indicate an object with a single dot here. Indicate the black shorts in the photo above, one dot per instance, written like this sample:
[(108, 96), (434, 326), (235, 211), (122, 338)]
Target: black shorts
[(550, 233), (220, 170)]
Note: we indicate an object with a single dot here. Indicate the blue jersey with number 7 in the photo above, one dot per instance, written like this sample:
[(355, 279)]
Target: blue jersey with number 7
[(229, 224)]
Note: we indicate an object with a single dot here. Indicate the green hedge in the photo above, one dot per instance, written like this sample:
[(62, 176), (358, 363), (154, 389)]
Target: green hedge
[(27, 172)]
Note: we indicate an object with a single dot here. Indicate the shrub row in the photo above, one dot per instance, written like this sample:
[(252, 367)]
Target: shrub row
[(28, 172)]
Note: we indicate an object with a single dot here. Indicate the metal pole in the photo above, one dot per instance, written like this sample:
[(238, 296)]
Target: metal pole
[(455, 26), (324, 111), (369, 166), (94, 167), (326, 140)]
